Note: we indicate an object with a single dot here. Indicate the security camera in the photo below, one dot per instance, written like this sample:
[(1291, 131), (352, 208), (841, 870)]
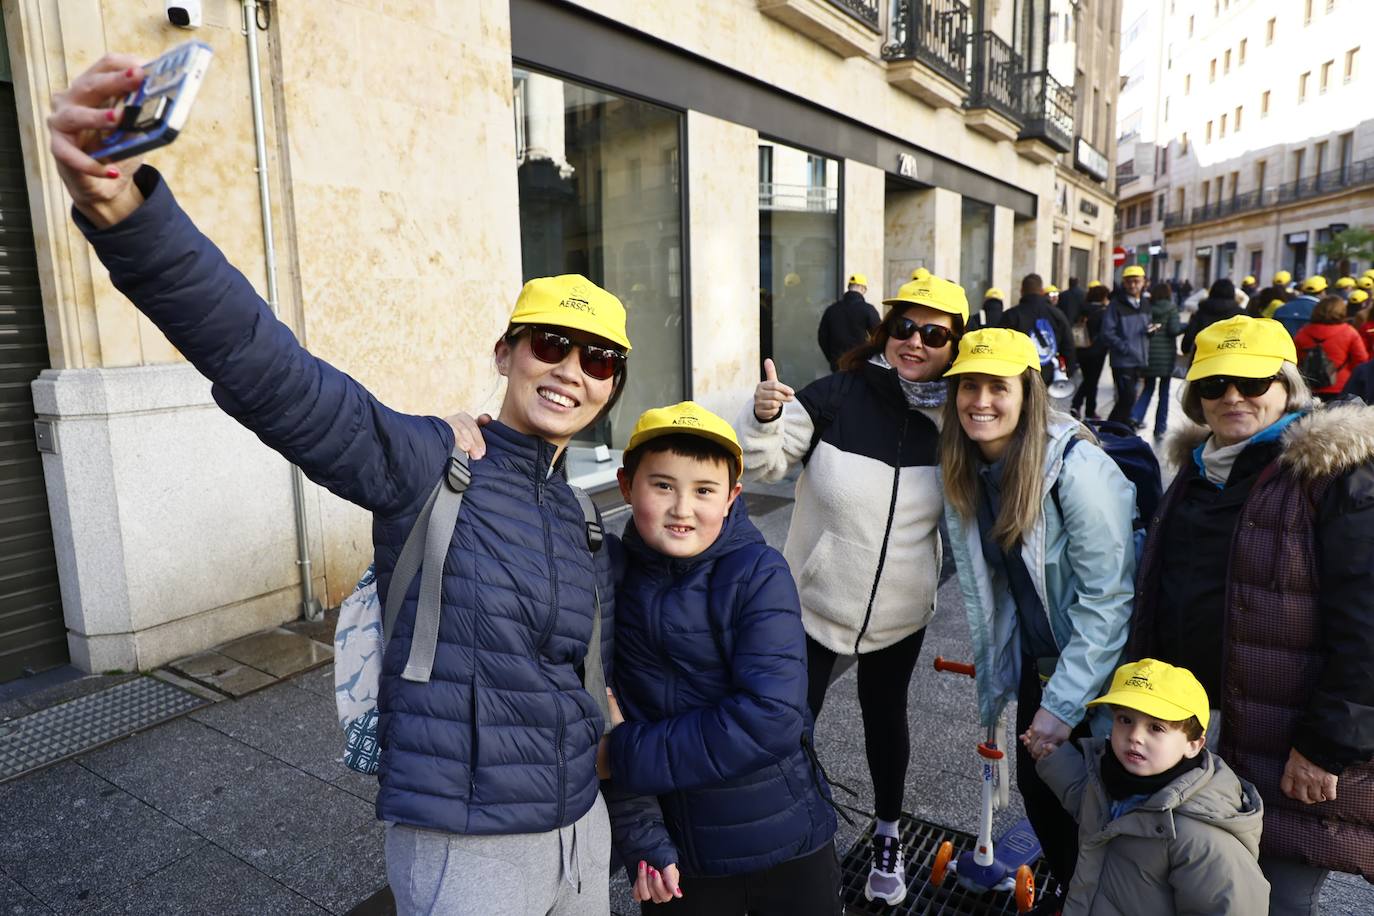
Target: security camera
[(184, 13)]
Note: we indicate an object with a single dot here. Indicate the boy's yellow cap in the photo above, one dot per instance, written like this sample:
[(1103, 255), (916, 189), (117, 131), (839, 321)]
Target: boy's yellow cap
[(1314, 284), (993, 293), (1248, 281), (1157, 689), (1282, 278), (1242, 346), (995, 351), (1094, 283), (1358, 296), (934, 292), (858, 279), (1051, 289), (1135, 270), (1345, 283), (574, 302), (691, 418), (1365, 282)]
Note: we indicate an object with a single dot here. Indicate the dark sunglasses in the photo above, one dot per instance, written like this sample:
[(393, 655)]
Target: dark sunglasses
[(934, 336), (1214, 386), (549, 346)]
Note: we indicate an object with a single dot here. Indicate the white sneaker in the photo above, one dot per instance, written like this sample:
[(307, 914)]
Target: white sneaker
[(887, 877)]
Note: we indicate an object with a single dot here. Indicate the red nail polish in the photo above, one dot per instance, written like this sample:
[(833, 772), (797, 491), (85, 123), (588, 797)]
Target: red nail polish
[(129, 72), (112, 173), (111, 116)]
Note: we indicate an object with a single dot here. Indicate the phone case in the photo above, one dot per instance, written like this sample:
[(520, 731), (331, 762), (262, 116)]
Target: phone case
[(156, 112)]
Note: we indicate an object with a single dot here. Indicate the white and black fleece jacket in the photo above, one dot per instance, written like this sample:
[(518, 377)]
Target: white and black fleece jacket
[(864, 544)]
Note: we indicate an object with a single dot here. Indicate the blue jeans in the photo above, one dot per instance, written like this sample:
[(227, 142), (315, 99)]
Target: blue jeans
[(1142, 404)]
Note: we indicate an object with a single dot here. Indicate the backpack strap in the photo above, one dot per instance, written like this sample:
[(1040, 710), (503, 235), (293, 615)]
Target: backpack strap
[(593, 672), (425, 550)]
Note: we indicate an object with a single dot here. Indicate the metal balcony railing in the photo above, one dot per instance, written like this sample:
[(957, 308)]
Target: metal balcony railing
[(1047, 106), (797, 197), (1354, 175), (866, 11), (995, 76), (934, 32)]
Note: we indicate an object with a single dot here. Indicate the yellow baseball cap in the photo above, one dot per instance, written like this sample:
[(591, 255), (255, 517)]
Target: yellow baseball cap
[(934, 292), (1345, 283), (1357, 296), (1135, 270), (691, 418), (858, 279), (1282, 278), (1157, 689), (1365, 282), (1051, 289), (1369, 272), (995, 351), (574, 302), (1314, 284), (993, 293), (1242, 346), (1248, 281), (920, 273), (1092, 283)]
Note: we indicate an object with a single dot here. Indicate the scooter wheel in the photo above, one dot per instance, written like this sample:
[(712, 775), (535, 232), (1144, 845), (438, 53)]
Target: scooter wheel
[(943, 855), (1025, 889)]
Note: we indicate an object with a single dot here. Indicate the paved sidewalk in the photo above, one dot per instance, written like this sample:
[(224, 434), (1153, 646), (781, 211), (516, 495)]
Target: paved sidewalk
[(243, 807)]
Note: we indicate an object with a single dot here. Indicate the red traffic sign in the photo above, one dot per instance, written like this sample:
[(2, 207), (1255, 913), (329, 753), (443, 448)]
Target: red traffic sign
[(1118, 256)]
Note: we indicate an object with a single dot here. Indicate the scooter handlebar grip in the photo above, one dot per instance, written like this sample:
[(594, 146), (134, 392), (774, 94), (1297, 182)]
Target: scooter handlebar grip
[(955, 667)]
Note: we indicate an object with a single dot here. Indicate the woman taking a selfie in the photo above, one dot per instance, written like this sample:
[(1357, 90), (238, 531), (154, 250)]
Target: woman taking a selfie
[(864, 542), (1041, 526), (488, 779)]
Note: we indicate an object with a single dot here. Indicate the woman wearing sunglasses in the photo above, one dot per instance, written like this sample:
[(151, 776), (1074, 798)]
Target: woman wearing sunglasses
[(1257, 576), (864, 543), (488, 779), (1041, 527)]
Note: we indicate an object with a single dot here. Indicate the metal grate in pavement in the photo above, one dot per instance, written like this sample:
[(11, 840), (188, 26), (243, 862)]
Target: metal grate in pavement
[(921, 839), (53, 734)]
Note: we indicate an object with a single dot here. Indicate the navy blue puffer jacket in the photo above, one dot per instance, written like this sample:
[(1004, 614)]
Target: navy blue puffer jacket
[(711, 675), (503, 738)]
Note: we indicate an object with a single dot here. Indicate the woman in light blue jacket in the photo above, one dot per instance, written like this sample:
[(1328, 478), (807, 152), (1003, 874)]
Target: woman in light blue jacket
[(1040, 523)]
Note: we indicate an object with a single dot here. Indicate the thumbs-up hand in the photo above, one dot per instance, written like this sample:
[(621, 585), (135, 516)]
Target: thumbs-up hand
[(770, 394)]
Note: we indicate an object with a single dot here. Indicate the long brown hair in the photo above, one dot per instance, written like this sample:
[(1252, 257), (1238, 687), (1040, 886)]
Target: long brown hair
[(879, 336), (1023, 477)]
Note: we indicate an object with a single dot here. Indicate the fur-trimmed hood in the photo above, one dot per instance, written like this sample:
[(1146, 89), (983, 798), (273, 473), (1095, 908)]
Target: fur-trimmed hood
[(1328, 440)]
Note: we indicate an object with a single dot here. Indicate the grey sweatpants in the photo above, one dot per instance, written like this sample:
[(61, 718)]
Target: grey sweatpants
[(559, 873)]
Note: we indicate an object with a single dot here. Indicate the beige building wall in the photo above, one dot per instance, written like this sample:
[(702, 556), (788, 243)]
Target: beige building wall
[(923, 230), (864, 192)]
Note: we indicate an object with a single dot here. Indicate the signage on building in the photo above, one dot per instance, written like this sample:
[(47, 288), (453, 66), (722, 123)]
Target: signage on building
[(1088, 207), (1204, 252), (906, 165), (1088, 160), (1156, 249), (1297, 238)]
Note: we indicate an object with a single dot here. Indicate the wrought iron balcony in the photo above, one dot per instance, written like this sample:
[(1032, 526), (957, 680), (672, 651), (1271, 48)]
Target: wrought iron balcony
[(866, 11), (1176, 219), (995, 76), (1354, 175), (934, 32), (1048, 110)]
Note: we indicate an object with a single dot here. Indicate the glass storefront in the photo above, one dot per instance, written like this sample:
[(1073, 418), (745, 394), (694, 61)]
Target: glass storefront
[(975, 250), (601, 195), (799, 257)]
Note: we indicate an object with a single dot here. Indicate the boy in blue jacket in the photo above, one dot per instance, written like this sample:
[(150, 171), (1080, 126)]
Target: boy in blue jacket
[(713, 780)]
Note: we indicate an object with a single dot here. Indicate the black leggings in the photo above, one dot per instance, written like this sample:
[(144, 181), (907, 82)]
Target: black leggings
[(808, 885), (1055, 827), (884, 677)]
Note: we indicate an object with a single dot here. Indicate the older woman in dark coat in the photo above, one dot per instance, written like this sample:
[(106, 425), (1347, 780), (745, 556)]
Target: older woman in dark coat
[(1164, 331), (1257, 577)]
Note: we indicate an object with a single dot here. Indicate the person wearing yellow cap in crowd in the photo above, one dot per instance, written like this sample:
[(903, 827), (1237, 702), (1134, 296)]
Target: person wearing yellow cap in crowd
[(1256, 577), (1071, 300), (990, 315), (1036, 315), (1126, 329), (1363, 319), (1052, 294), (494, 742), (1344, 285), (1296, 312), (1365, 283), (1267, 301), (1249, 286), (1164, 825), (715, 799), (1041, 527), (864, 538), (847, 322)]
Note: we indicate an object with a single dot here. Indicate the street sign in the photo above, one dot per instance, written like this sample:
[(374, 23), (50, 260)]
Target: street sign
[(1118, 256)]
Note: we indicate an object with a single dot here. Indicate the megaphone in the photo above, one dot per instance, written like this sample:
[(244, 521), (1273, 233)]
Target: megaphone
[(1063, 387)]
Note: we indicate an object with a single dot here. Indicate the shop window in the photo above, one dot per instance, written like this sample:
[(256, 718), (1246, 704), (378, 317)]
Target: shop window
[(975, 248), (600, 195)]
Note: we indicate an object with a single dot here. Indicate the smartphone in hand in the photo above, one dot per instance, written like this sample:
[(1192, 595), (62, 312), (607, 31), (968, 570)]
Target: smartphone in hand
[(156, 112)]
